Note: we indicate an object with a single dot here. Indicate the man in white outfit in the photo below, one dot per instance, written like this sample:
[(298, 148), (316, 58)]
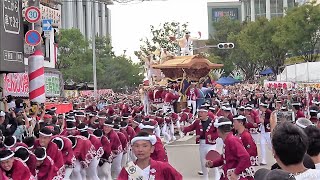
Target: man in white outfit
[(185, 44)]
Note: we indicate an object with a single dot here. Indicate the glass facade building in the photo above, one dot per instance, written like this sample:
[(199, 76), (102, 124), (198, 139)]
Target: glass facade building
[(253, 9)]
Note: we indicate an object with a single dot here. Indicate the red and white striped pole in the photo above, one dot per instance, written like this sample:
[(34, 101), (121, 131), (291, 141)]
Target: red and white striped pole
[(36, 77)]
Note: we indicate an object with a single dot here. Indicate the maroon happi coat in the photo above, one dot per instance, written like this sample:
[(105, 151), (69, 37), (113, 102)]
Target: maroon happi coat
[(250, 146), (116, 146), (97, 145), (158, 170), (84, 151), (47, 170), (210, 134), (55, 155), (31, 163), (106, 147), (19, 171), (123, 140), (234, 158), (159, 153), (67, 152)]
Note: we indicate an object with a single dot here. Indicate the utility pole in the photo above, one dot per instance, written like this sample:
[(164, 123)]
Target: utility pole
[(94, 61)]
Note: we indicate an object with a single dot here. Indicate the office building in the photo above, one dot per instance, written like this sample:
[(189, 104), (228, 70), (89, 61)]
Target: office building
[(78, 14), (220, 8), (253, 9)]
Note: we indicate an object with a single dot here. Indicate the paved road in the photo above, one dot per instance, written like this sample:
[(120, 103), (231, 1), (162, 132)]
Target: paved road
[(184, 156)]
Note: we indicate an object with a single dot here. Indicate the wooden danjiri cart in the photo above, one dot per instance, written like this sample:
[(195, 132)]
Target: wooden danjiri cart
[(191, 68)]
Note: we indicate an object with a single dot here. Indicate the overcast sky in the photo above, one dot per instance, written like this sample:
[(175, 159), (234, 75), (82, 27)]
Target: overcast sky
[(130, 23)]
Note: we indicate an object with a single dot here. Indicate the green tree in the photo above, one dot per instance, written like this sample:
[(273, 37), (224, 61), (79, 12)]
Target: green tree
[(299, 31), (75, 62), (160, 39), (256, 40), (73, 53)]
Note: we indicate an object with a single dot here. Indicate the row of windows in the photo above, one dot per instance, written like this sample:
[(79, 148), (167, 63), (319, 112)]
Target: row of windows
[(276, 8)]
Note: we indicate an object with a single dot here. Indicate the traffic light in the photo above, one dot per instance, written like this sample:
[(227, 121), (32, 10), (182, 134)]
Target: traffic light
[(225, 46)]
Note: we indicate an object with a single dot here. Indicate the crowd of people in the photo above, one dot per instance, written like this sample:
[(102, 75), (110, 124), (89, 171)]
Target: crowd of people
[(122, 136)]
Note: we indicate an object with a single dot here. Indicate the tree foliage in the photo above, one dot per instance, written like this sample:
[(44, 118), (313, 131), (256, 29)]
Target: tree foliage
[(75, 62), (266, 43), (300, 31), (160, 39)]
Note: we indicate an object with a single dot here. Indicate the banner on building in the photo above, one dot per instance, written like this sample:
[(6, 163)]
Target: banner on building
[(99, 92), (309, 85), (278, 85), (71, 93), (52, 84), (17, 84)]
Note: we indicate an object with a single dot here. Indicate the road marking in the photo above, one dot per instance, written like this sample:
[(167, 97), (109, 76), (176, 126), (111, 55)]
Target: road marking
[(185, 138)]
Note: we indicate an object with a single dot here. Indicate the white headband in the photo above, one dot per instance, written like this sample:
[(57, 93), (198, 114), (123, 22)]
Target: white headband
[(46, 134), (217, 124), (146, 126), (81, 115), (44, 157), (151, 138), (15, 141), (248, 108), (71, 128), (70, 120), (8, 157), (202, 110), (83, 129), (264, 105), (101, 117), (110, 125), (239, 117)]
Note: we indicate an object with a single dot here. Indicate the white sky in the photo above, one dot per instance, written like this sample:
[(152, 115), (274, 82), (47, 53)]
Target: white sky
[(130, 23)]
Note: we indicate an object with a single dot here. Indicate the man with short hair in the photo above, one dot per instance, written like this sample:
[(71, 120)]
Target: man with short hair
[(145, 167), (290, 144), (206, 137), (313, 151)]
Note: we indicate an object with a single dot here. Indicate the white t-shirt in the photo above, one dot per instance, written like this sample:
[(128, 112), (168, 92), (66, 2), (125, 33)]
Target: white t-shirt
[(317, 166), (146, 172), (310, 174)]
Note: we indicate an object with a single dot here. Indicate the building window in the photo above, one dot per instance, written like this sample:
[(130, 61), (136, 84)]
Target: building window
[(260, 8), (247, 8), (276, 8)]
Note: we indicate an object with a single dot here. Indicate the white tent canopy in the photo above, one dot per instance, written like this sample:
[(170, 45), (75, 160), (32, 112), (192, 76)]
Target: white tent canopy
[(304, 72)]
